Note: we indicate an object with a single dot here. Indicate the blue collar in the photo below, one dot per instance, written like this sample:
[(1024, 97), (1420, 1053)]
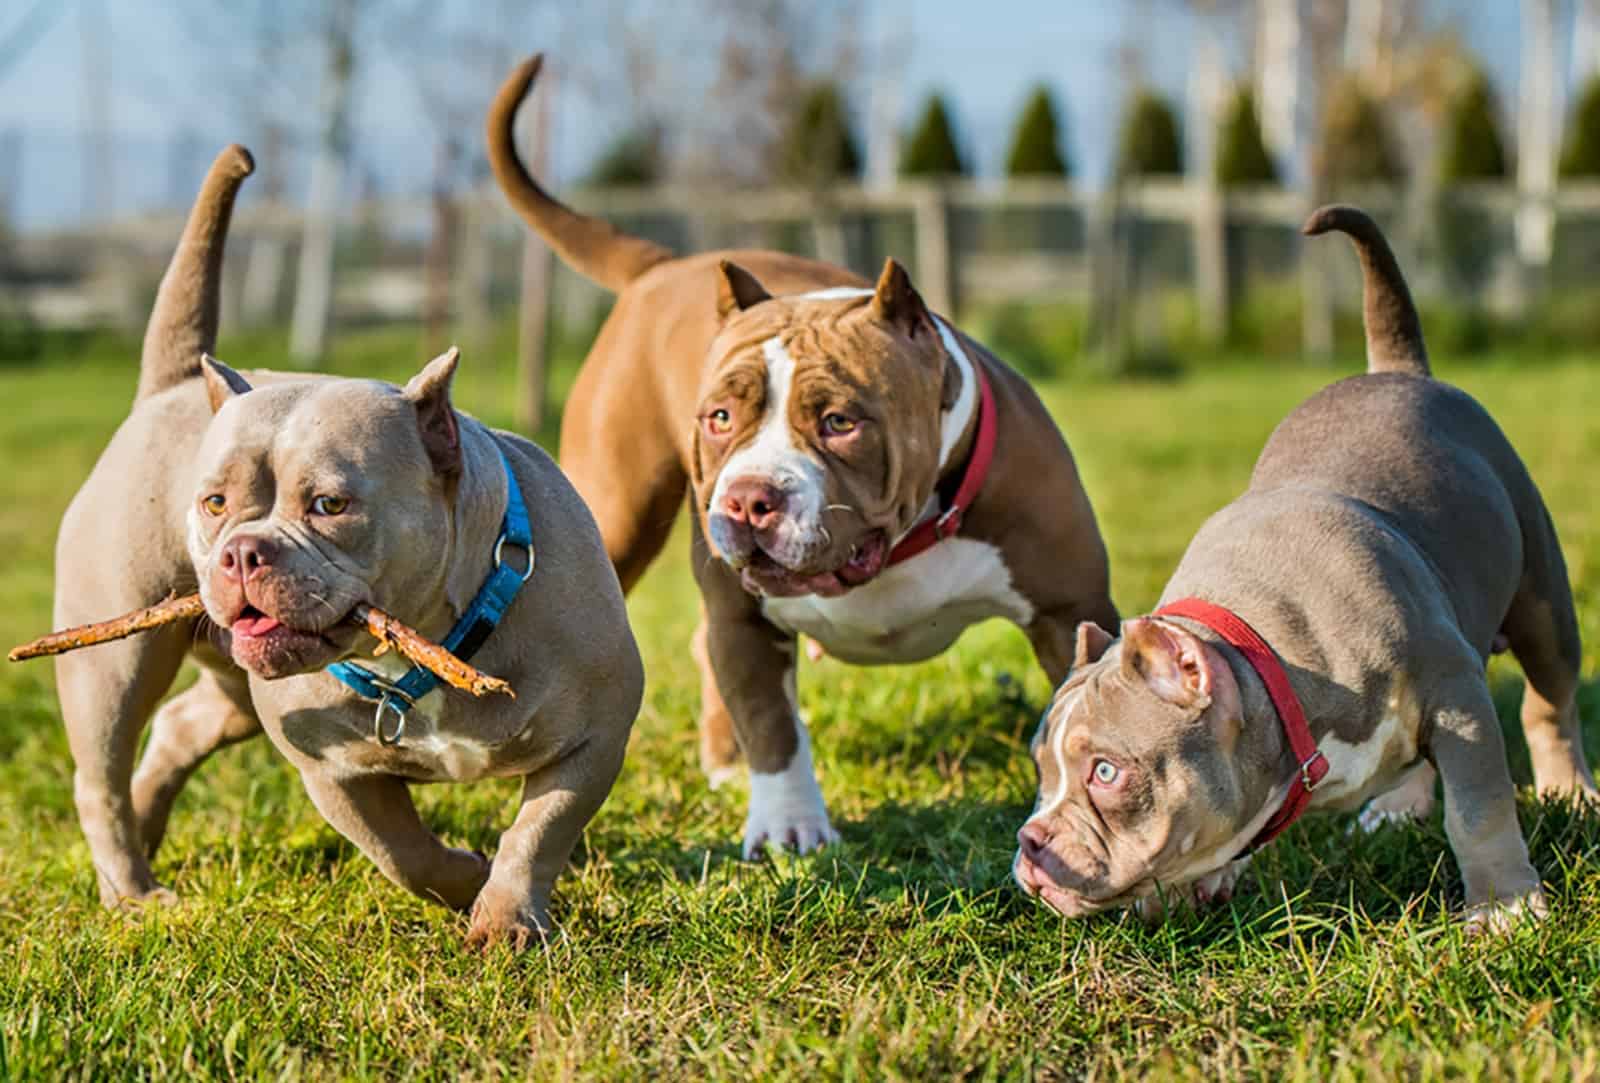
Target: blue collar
[(469, 633)]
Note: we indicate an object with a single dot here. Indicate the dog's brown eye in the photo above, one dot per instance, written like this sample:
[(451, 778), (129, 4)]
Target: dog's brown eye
[(719, 422), (215, 504), (838, 425), (329, 505), (1105, 772)]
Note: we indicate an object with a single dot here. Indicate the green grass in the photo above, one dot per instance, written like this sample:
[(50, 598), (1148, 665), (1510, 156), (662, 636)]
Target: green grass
[(902, 953)]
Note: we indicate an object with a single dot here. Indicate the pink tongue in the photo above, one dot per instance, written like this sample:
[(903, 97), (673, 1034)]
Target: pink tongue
[(258, 625)]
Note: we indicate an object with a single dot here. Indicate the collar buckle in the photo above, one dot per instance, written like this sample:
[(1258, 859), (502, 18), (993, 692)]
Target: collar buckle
[(1313, 770)]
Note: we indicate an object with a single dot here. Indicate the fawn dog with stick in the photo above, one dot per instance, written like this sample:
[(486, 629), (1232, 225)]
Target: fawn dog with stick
[(314, 515)]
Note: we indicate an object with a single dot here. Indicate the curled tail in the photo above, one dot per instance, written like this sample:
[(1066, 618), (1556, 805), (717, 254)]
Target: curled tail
[(1394, 334), (183, 323), (594, 248)]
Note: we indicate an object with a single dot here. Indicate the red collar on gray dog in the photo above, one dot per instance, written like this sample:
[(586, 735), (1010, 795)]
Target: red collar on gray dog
[(1244, 639), (930, 532)]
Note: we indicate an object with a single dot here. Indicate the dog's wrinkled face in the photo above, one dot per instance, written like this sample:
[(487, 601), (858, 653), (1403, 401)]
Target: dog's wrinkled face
[(1140, 793), (313, 496), (818, 437)]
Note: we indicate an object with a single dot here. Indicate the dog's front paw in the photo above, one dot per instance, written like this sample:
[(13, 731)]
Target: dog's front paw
[(134, 902), (786, 810), (1212, 889), (800, 833), (504, 921), (1500, 917)]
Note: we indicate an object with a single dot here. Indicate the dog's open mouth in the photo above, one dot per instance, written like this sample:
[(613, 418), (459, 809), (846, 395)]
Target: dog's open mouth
[(267, 646), (764, 575)]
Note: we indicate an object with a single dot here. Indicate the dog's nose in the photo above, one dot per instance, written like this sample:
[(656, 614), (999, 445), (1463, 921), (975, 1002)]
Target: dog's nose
[(244, 558), (754, 501), (1032, 838)]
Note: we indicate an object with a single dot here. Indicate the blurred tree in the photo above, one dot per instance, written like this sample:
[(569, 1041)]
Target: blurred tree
[(1036, 146), (1355, 147), (817, 146), (1149, 144), (1582, 155), (633, 160), (1242, 157), (931, 150), (1472, 149)]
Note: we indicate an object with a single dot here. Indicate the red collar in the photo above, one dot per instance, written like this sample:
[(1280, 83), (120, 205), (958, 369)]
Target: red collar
[(930, 532), (1243, 638)]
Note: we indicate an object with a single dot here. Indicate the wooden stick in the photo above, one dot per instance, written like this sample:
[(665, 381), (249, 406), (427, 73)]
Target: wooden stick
[(87, 635), (428, 654), (384, 628)]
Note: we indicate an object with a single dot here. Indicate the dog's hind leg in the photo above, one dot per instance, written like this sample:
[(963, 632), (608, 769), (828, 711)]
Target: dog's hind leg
[(1543, 632), (213, 714), (719, 748), (628, 473), (107, 694), (1409, 799)]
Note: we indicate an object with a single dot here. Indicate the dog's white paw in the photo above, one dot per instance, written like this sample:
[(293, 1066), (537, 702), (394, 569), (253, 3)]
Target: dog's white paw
[(1498, 918), (1408, 802), (786, 807), (718, 777), (1214, 888), (1217, 887)]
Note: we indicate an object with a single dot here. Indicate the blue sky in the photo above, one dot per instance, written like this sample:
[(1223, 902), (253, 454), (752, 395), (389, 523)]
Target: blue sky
[(983, 57)]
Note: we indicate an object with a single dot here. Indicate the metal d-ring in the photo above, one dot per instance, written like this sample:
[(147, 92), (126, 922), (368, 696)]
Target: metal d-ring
[(391, 701), (499, 560)]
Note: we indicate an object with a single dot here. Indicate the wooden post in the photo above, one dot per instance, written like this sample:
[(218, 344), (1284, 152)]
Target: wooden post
[(827, 232), (475, 281), (936, 277), (1316, 294), (313, 302), (263, 278), (538, 266), (1210, 226), (533, 333)]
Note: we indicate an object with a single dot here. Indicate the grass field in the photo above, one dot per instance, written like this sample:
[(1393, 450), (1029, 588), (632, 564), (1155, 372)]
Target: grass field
[(902, 953)]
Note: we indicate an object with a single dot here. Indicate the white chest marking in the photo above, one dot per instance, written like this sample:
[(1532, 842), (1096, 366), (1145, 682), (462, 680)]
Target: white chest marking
[(451, 756), (1357, 771), (912, 610)]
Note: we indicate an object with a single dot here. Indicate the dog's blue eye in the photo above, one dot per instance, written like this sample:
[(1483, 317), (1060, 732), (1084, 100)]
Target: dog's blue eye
[(1105, 772), (329, 505)]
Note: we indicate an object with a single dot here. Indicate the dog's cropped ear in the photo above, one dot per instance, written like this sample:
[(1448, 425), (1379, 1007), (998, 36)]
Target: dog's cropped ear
[(222, 382), (737, 289), (1170, 660), (896, 301), (1092, 643), (429, 392)]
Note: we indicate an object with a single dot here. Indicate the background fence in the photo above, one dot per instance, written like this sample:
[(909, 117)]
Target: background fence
[(1143, 269)]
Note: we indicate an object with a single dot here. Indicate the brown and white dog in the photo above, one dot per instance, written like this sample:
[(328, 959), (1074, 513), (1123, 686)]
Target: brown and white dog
[(1389, 540), (821, 423)]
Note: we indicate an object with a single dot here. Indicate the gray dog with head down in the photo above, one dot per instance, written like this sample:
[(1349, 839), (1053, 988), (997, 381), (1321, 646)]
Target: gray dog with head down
[(286, 506), (1389, 540)]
